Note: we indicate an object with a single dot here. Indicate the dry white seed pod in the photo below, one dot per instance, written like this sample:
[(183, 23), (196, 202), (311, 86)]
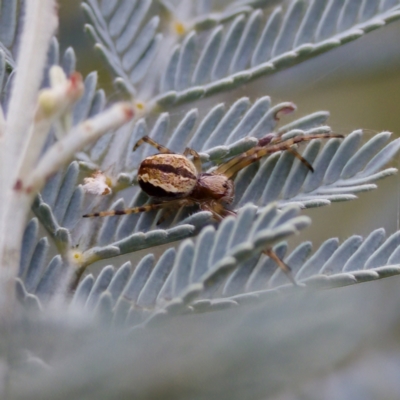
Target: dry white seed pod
[(97, 184)]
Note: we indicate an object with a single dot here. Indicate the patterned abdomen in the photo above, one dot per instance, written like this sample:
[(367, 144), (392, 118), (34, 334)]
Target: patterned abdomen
[(167, 175)]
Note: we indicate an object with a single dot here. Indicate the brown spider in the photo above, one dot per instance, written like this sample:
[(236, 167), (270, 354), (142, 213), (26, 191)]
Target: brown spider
[(175, 181)]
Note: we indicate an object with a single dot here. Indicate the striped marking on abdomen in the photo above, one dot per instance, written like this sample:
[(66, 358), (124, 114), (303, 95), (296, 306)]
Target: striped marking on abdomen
[(167, 175)]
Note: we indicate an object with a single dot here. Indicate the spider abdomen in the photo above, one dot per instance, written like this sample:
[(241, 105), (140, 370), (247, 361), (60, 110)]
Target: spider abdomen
[(167, 175)]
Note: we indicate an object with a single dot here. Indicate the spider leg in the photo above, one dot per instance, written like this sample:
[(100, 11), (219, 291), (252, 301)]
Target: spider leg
[(234, 169), (169, 211), (135, 210), (196, 158), (223, 211), (164, 216), (284, 267), (301, 158), (233, 166), (283, 144), (208, 207), (218, 211), (151, 142)]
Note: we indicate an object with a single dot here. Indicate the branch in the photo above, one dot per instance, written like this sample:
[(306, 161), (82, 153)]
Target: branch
[(31, 59), (30, 65), (52, 104), (62, 151)]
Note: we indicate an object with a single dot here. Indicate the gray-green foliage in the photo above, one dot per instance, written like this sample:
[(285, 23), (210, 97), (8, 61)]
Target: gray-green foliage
[(214, 267)]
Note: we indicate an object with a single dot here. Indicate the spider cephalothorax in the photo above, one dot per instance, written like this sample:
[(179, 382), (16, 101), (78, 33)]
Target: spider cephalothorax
[(173, 180)]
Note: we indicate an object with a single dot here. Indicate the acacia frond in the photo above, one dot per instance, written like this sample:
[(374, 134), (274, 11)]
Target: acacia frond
[(222, 268), (117, 30), (242, 46), (9, 25), (233, 277), (342, 169), (250, 48), (333, 264), (235, 241)]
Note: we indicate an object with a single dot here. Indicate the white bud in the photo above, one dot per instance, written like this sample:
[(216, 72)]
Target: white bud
[(97, 184)]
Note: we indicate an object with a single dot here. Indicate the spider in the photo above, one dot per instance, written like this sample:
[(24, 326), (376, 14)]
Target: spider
[(173, 180)]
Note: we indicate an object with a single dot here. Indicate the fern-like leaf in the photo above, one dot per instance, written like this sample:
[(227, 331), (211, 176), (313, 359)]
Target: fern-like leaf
[(250, 48), (9, 23), (342, 169), (119, 34), (233, 273), (333, 264), (179, 277)]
